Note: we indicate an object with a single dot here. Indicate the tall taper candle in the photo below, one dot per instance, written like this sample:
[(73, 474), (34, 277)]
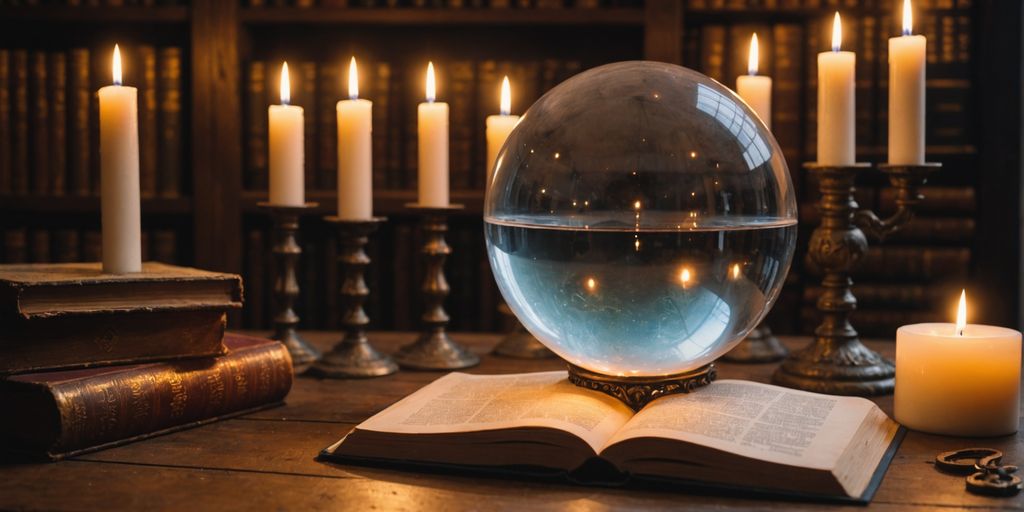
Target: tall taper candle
[(906, 94), (498, 128), (119, 175), (756, 90), (433, 147), (355, 155), (287, 187), (836, 114)]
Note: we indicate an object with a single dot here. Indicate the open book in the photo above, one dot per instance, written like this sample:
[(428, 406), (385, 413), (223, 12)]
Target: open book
[(729, 434)]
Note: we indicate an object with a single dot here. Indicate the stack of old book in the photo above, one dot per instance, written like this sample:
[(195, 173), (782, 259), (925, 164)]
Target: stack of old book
[(91, 360)]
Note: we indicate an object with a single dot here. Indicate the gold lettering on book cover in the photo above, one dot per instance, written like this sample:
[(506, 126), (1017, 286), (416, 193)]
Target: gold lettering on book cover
[(264, 377), (137, 406), (179, 396), (109, 407), (214, 388), (241, 384)]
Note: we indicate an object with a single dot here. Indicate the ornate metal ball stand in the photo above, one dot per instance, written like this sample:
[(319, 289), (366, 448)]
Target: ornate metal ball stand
[(636, 392), (760, 346), (836, 361), (434, 350), (286, 287), (354, 356), (518, 342)]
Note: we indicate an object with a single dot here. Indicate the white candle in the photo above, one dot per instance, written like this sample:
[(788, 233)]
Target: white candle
[(119, 175), (836, 115), (498, 128), (958, 379), (355, 155), (756, 90), (433, 147), (286, 149), (906, 94)]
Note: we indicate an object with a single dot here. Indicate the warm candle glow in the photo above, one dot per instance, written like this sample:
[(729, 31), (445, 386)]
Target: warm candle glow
[(837, 33), (506, 97), (961, 314), (753, 56), (117, 65), (430, 83), (591, 284), (353, 80), (684, 277), (908, 18), (735, 270), (286, 86)]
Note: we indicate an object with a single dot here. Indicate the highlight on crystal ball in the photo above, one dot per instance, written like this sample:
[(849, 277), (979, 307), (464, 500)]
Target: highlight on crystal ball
[(640, 220)]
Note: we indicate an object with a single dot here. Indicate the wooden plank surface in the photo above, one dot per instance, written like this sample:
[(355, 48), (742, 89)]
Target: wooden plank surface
[(266, 461)]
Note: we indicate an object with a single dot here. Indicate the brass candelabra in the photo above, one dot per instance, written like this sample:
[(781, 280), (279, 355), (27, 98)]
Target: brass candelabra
[(354, 356), (286, 252), (836, 361), (434, 349)]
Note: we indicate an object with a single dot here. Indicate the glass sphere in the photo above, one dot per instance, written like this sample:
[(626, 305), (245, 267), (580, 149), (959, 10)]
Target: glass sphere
[(640, 219)]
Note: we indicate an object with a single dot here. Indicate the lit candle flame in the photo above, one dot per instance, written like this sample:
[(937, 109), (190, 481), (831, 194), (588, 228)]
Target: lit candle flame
[(431, 94), (753, 56), (908, 18), (961, 314), (684, 277), (506, 100), (286, 85), (591, 284), (735, 270), (117, 65), (353, 79), (636, 205), (837, 33)]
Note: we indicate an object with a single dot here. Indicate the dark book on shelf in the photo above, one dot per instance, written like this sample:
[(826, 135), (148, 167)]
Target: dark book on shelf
[(539, 425), (66, 413), (19, 123), (5, 122), (256, 126), (72, 315), (57, 87), (149, 155), (79, 142), (39, 125), (16, 245), (170, 122)]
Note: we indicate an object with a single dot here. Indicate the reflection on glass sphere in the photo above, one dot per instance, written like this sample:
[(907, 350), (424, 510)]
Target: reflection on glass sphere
[(640, 219)]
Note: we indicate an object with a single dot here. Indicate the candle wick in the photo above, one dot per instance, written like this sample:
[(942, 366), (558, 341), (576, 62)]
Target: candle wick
[(906, 31)]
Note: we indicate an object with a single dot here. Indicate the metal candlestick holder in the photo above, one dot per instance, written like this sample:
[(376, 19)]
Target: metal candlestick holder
[(434, 350), (760, 346), (519, 343), (286, 287), (354, 356), (836, 361)]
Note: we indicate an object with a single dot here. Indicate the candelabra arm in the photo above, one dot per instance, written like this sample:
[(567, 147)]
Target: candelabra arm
[(905, 180)]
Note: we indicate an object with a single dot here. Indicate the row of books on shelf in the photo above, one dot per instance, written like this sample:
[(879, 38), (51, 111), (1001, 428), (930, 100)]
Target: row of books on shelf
[(449, 4), (820, 4), (471, 87), (49, 126), (68, 245), (90, 3)]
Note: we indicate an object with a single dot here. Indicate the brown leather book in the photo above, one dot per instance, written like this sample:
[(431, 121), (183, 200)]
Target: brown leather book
[(71, 315), (5, 121), (170, 142), (39, 125), (70, 412), (256, 127), (19, 122), (148, 135), (79, 145), (57, 92)]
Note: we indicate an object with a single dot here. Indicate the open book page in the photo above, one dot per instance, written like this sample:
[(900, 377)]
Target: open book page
[(755, 420), (460, 402)]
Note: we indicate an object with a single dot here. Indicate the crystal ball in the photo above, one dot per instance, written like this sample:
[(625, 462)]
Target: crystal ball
[(640, 219)]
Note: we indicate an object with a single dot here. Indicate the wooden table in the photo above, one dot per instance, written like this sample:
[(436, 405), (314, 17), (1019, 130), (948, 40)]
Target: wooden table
[(265, 461)]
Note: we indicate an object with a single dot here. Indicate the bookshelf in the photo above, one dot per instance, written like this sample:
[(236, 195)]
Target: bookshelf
[(219, 226)]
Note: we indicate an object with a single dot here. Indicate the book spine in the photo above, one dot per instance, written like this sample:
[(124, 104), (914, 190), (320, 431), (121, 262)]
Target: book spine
[(329, 91), (256, 126), (713, 51), (5, 122), (66, 246), (307, 99), (39, 124), (41, 246), (170, 151), (382, 135), (16, 245), (462, 124), (786, 119), (942, 200), (19, 121), (79, 147), (152, 398), (165, 246), (148, 135), (92, 245), (58, 83), (911, 262)]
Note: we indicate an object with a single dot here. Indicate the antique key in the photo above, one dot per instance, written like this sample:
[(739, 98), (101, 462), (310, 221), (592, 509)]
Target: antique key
[(993, 479), (964, 462)]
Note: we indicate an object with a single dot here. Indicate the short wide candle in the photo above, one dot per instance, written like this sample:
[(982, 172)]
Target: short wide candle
[(958, 385)]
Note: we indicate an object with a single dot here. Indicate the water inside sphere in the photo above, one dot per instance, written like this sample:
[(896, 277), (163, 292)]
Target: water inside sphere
[(640, 220)]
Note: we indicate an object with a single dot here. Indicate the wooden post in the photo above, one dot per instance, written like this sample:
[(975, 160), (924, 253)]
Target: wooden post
[(216, 135), (663, 31)]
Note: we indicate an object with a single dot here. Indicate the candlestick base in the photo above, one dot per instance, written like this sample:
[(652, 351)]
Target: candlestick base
[(760, 346), (354, 356), (286, 252), (433, 349), (636, 392), (520, 343), (836, 362)]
